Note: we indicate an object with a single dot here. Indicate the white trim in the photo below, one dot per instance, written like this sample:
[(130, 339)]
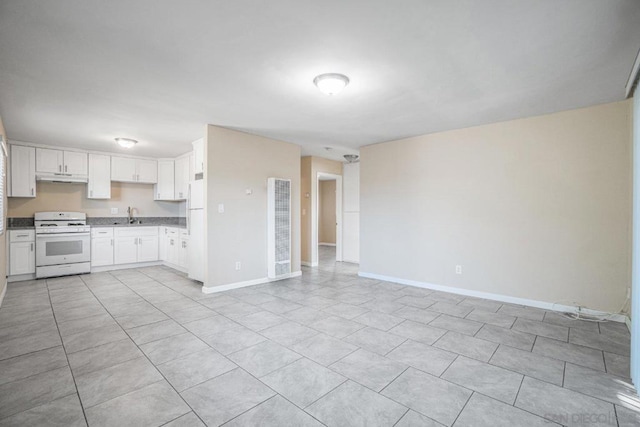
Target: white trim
[(21, 277), (125, 266), (315, 215), (326, 244), (175, 267), (4, 292), (628, 88), (222, 288), (496, 297), (308, 264)]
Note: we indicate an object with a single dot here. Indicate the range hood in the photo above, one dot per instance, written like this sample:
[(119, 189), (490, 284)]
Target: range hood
[(62, 177)]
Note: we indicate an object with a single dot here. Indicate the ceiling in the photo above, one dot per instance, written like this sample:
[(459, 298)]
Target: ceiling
[(79, 73)]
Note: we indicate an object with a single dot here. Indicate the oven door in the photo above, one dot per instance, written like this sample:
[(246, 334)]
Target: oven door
[(63, 248)]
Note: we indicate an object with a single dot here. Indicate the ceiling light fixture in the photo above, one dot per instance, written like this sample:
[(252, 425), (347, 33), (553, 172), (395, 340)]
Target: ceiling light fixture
[(331, 83), (126, 142), (351, 158)]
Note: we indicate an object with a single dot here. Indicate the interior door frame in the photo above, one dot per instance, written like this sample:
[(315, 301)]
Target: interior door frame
[(315, 215)]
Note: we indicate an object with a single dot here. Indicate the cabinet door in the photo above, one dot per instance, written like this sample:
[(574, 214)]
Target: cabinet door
[(49, 161), (23, 171), (163, 242), (198, 156), (147, 248), (126, 250), (147, 171), (183, 252), (172, 250), (22, 258), (99, 183), (164, 189), (182, 178), (123, 169), (101, 251), (75, 163)]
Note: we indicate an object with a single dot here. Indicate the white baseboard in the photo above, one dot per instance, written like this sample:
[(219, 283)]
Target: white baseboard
[(496, 297), (175, 267), (326, 244), (124, 266), (4, 292), (309, 264), (21, 278), (222, 288)]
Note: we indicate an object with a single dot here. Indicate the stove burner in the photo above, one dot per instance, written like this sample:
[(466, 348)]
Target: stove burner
[(48, 225)]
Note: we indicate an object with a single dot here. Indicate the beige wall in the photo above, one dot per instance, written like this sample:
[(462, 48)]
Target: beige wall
[(235, 162), (327, 209), (53, 196), (536, 208), (3, 240), (311, 166)]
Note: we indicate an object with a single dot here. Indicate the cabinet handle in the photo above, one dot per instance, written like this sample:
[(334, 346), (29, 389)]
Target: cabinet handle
[(59, 168), (91, 193), (111, 242), (32, 191), (158, 195), (32, 247), (65, 168), (140, 241), (22, 235)]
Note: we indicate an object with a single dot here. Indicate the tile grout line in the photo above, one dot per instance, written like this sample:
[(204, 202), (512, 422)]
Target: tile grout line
[(66, 355)]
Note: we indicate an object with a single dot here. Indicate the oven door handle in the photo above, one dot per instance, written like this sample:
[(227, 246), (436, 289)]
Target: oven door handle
[(57, 235)]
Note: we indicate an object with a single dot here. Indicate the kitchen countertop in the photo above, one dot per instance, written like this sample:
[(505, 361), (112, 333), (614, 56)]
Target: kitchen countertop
[(175, 222)]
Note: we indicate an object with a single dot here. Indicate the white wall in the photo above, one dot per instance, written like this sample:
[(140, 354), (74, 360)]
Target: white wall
[(351, 216), (536, 208)]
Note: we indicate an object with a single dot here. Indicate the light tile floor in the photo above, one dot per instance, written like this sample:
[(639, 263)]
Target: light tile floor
[(146, 347)]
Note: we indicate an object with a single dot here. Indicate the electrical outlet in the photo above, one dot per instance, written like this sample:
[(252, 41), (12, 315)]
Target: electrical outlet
[(220, 208), (114, 211), (458, 269), (628, 292), (238, 265)]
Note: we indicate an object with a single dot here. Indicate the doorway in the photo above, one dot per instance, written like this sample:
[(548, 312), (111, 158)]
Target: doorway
[(327, 220)]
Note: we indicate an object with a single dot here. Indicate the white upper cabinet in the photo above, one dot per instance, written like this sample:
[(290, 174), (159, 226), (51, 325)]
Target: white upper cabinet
[(125, 169), (165, 188), (182, 178), (75, 163), (147, 171), (50, 161), (198, 156), (23, 171), (99, 185)]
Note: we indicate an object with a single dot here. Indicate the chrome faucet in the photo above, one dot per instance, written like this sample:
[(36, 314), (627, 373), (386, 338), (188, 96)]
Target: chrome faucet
[(130, 214)]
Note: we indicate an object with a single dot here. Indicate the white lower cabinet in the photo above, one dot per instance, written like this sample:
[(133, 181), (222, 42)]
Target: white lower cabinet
[(135, 244), (175, 242), (102, 246), (22, 252)]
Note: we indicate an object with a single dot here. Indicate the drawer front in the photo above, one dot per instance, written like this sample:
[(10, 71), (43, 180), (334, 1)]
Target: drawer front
[(102, 232), (22, 236), (136, 231)]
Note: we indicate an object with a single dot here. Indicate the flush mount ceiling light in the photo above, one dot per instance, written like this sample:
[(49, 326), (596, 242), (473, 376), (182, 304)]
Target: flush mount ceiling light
[(126, 142), (351, 158), (331, 83)]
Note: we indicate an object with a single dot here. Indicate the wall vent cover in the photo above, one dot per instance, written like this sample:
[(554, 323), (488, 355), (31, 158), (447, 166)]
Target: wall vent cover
[(279, 227)]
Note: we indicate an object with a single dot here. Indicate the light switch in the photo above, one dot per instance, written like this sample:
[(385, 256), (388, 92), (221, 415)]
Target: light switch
[(248, 191), (114, 211), (220, 208)]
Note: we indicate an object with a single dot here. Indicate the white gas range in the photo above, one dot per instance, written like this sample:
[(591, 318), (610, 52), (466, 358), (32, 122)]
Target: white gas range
[(63, 244)]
